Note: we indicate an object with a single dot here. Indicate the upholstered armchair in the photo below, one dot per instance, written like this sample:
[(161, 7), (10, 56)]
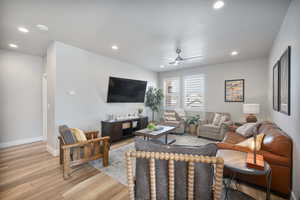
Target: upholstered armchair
[(207, 128), (175, 118)]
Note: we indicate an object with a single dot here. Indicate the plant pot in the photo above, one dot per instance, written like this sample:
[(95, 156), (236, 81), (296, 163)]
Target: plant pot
[(193, 129), (187, 129)]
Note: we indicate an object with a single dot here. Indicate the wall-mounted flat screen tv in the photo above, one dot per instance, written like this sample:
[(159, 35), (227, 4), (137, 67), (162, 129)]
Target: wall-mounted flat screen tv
[(121, 90)]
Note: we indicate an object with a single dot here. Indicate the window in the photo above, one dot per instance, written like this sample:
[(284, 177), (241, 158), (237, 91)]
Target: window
[(171, 92), (194, 91)]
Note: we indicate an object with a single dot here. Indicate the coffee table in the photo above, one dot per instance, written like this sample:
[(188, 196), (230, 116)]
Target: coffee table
[(157, 134), (235, 162)]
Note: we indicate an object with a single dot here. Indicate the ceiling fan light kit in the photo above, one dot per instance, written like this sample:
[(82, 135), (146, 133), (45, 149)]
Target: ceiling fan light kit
[(178, 60)]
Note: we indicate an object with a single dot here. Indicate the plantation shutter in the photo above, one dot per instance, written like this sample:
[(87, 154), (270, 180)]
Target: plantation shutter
[(171, 91), (194, 91)]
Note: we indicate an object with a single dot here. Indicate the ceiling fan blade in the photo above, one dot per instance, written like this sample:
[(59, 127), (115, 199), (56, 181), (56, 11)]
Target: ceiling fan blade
[(176, 62), (193, 58)]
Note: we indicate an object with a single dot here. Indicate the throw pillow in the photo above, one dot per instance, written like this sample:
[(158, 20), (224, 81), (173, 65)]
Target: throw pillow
[(216, 120), (78, 134), (247, 129), (249, 143), (223, 119), (203, 172), (67, 135)]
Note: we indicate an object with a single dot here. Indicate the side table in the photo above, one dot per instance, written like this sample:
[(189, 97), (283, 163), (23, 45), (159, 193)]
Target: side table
[(235, 162)]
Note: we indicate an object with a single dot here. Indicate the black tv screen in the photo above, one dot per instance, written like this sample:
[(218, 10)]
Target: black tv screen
[(122, 90)]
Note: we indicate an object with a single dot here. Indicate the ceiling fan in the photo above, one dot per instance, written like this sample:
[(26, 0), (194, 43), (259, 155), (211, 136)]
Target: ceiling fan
[(180, 59)]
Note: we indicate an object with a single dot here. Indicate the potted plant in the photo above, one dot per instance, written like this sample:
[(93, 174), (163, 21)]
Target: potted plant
[(192, 123), (154, 97)]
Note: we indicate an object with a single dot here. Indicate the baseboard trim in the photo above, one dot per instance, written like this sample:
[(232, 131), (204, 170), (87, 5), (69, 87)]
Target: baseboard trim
[(293, 196), (52, 151), (19, 142)]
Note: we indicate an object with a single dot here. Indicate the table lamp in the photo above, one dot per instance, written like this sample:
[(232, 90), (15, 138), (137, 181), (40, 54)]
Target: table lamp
[(250, 110), (255, 160)]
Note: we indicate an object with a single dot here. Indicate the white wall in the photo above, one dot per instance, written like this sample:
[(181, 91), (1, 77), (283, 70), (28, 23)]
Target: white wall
[(255, 73), (87, 74), (20, 98), (289, 34)]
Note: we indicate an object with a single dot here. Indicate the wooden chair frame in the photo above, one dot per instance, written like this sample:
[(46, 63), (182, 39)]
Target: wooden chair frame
[(172, 157), (72, 155)]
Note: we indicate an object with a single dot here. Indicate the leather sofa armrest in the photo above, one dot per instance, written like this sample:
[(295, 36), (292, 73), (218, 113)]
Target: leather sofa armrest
[(222, 145), (271, 158), (274, 159)]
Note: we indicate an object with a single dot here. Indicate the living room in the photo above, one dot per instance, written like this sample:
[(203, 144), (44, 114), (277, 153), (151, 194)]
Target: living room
[(86, 86)]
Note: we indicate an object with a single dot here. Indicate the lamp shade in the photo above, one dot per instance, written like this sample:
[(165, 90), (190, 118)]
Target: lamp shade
[(251, 108)]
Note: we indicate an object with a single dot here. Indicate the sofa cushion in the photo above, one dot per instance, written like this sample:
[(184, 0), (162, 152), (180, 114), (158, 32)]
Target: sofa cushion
[(66, 134), (171, 123), (203, 172), (210, 128)]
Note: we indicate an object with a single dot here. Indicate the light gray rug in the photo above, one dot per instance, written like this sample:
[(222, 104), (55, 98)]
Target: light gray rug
[(117, 167)]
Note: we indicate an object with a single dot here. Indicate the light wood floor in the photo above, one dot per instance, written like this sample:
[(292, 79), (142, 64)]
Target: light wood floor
[(30, 172)]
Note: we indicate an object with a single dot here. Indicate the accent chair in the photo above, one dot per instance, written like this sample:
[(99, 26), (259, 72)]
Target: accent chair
[(208, 127), (175, 118)]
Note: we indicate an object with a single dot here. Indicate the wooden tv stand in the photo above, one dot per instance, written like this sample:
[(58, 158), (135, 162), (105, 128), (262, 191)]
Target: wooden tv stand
[(122, 129)]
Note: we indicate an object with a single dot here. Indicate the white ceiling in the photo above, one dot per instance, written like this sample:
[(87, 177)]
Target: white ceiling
[(146, 31)]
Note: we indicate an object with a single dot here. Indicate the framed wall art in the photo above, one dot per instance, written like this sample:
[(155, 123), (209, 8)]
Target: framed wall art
[(276, 70), (285, 82), (234, 90)]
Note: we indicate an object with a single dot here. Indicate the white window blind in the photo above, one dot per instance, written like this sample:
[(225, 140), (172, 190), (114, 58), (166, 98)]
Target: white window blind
[(171, 92), (194, 91)]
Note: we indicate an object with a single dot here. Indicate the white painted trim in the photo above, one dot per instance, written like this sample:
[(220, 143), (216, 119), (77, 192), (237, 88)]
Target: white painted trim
[(293, 196), (23, 141), (44, 104), (52, 151)]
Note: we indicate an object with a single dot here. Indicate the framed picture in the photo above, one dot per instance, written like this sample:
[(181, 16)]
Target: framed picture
[(276, 70), (285, 82), (234, 90)]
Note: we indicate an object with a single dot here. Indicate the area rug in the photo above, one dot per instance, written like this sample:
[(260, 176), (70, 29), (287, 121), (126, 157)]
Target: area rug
[(117, 167)]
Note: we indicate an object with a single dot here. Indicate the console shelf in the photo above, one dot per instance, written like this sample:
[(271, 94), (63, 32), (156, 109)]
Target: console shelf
[(122, 129)]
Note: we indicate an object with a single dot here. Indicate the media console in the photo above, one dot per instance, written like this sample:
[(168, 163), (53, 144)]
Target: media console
[(122, 129)]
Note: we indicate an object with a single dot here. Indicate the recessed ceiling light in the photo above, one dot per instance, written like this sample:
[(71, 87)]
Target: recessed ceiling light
[(42, 27), (13, 45), (114, 47), (23, 30), (234, 53), (162, 66), (218, 5)]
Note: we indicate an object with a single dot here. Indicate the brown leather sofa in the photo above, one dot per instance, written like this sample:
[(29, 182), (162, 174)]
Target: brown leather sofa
[(277, 148)]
